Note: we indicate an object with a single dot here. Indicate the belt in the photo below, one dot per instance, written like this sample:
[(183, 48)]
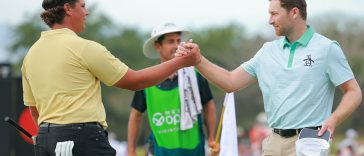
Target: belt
[(52, 125), (286, 133)]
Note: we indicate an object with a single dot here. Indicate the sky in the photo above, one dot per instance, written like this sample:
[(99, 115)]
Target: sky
[(145, 14), (193, 14)]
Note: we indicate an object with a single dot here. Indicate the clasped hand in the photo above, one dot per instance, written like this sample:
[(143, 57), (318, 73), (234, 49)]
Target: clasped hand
[(188, 48)]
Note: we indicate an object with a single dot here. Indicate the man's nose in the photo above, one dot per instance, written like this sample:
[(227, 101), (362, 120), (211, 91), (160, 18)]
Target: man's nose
[(175, 45), (270, 21)]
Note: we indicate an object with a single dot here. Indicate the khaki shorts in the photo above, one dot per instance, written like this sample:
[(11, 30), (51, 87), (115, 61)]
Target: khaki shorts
[(275, 145)]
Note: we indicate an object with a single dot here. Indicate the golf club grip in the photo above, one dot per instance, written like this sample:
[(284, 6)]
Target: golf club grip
[(21, 129)]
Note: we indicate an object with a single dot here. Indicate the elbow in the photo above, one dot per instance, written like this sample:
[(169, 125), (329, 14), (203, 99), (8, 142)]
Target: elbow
[(356, 95), (360, 96), (131, 81), (135, 87), (139, 86), (229, 89), (133, 84), (130, 87)]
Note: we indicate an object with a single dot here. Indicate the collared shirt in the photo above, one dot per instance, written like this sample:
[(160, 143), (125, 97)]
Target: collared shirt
[(302, 41), (61, 77), (298, 80)]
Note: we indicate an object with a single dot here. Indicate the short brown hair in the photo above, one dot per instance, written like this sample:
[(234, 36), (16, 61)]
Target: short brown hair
[(300, 4), (53, 11)]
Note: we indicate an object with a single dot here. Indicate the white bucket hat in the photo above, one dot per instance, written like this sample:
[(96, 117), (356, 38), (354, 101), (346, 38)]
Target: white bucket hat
[(312, 147), (161, 29), (309, 144)]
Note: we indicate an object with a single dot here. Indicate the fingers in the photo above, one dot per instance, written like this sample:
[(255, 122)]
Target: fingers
[(322, 130), (184, 48), (328, 125), (214, 148), (181, 51), (190, 52)]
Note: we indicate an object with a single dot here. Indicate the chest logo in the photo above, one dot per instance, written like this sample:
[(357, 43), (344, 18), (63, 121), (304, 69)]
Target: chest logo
[(171, 117), (158, 119), (308, 61)]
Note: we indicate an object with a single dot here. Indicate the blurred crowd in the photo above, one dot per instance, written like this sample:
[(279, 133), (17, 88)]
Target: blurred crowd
[(250, 141), (349, 146)]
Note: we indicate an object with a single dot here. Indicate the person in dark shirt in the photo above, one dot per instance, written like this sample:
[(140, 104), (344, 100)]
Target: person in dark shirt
[(162, 103)]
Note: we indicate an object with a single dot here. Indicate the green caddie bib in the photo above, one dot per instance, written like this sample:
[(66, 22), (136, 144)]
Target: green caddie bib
[(163, 107)]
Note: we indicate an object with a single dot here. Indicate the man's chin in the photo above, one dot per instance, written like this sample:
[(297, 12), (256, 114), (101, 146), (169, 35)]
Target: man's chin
[(279, 33)]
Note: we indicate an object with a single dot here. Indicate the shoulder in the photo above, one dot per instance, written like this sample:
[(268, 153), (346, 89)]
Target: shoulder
[(92, 45), (320, 40), (324, 44), (89, 47), (86, 44), (272, 45)]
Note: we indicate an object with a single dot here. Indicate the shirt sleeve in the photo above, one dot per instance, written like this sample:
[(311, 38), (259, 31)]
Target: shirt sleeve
[(338, 69), (251, 66), (102, 64), (204, 88), (139, 101), (27, 91)]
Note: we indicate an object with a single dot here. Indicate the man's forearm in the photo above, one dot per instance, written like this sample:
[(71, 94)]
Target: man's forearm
[(136, 80), (229, 81), (217, 75), (133, 132), (210, 117)]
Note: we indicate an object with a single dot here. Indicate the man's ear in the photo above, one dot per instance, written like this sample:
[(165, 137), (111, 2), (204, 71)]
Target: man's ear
[(67, 8), (295, 12), (157, 46)]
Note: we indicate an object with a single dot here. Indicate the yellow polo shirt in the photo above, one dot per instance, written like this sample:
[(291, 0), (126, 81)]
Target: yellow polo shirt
[(61, 77)]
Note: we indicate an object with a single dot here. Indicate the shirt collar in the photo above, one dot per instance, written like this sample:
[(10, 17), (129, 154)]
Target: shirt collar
[(59, 31), (303, 40), (169, 84)]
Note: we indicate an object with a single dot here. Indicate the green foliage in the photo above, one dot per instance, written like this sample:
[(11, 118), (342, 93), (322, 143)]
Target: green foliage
[(26, 34), (220, 44)]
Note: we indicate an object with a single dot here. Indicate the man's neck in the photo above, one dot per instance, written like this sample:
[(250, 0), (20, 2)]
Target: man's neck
[(297, 32), (65, 24)]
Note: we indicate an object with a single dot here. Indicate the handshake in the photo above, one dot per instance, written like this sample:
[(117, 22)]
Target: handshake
[(189, 53)]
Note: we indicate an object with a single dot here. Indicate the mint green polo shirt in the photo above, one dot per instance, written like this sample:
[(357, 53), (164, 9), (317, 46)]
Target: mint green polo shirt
[(298, 80)]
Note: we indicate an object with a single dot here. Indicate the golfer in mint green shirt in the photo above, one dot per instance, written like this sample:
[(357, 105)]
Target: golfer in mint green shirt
[(297, 75)]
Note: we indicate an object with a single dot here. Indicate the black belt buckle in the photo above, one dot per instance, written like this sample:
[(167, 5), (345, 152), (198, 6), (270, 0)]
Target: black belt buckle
[(286, 133), (52, 125)]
